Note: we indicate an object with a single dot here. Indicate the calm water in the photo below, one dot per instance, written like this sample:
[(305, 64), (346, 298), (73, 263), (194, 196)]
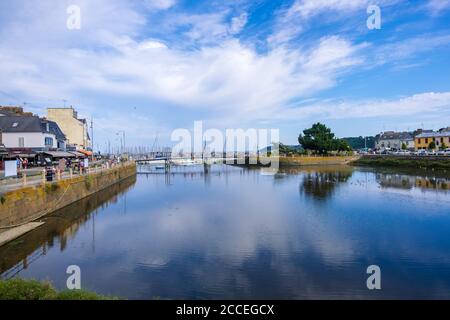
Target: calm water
[(238, 233)]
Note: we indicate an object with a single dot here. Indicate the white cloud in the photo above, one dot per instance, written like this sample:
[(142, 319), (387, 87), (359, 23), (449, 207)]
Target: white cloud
[(205, 28), (295, 19), (227, 77), (401, 50), (151, 44), (43, 24), (309, 8), (429, 103), (238, 23), (209, 28), (160, 4), (436, 6), (110, 57)]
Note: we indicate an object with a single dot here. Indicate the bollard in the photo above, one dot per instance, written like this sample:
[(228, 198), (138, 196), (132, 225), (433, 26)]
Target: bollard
[(43, 176), (24, 179), (70, 173), (58, 175)]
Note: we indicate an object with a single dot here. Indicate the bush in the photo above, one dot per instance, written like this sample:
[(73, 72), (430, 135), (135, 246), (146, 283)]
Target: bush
[(20, 289), (81, 295)]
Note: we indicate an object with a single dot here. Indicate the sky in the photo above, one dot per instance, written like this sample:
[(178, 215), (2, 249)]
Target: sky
[(151, 66)]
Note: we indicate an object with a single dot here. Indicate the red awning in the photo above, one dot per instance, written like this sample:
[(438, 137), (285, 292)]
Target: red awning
[(88, 153)]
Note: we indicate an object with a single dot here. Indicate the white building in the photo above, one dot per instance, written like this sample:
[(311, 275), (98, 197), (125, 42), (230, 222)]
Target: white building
[(30, 132), (391, 140)]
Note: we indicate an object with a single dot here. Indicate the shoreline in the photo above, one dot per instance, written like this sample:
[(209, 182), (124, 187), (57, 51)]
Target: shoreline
[(415, 162)]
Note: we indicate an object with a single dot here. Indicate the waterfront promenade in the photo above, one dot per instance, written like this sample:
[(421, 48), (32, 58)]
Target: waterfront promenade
[(36, 176)]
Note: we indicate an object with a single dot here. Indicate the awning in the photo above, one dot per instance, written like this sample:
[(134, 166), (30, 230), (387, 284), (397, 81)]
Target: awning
[(88, 153), (60, 154), (78, 154), (24, 155)]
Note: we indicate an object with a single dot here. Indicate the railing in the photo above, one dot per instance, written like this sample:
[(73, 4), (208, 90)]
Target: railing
[(29, 178)]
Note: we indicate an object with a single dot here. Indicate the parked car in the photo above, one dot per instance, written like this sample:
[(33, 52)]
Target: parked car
[(445, 152), (421, 152)]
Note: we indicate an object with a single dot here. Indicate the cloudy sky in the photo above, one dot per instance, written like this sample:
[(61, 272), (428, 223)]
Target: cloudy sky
[(150, 66)]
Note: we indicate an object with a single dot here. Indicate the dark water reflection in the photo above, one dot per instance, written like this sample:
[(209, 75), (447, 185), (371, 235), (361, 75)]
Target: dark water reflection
[(321, 185), (240, 233)]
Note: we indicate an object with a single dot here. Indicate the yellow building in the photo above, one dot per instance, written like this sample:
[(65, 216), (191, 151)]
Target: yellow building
[(76, 130), (440, 139)]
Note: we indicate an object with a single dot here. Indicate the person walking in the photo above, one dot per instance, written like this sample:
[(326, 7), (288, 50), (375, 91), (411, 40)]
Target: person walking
[(18, 163), (81, 166)]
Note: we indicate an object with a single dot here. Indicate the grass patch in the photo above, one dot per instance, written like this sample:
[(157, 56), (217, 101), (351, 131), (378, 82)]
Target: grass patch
[(88, 181), (20, 289), (410, 163)]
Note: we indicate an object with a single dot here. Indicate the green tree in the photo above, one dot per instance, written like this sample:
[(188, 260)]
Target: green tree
[(443, 146), (432, 145), (341, 145), (320, 139), (361, 142), (404, 146)]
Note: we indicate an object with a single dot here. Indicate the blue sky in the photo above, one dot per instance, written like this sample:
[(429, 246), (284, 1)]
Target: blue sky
[(150, 67)]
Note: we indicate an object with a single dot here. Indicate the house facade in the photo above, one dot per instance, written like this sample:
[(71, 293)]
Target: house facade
[(441, 140), (75, 130), (30, 132), (391, 140)]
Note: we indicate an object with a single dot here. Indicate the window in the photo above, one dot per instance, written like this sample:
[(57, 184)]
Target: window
[(49, 141), (418, 141), (21, 142), (426, 140)]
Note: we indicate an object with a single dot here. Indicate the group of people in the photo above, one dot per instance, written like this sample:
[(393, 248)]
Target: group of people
[(22, 163), (65, 164)]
